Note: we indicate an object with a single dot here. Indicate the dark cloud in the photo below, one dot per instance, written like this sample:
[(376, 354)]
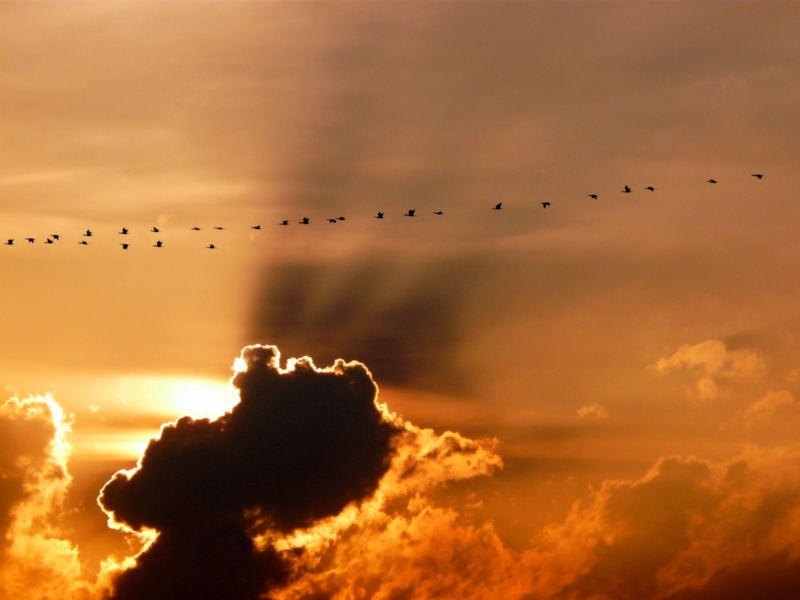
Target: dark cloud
[(302, 444)]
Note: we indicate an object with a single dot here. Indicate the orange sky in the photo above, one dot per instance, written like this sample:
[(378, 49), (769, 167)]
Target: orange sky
[(635, 358)]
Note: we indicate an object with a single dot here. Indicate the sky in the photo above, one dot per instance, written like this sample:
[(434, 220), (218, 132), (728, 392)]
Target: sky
[(596, 399)]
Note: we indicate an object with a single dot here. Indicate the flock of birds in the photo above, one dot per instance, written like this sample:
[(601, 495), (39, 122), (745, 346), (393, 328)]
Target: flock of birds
[(53, 238)]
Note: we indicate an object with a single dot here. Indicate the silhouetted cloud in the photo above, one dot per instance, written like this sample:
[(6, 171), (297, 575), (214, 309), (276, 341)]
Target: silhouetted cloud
[(301, 445)]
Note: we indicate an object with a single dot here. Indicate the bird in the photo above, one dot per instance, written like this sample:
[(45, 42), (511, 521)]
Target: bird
[(256, 227), (55, 236), (627, 190), (83, 243), (438, 212), (593, 196), (219, 228), (154, 230), (283, 223), (379, 215), (48, 241), (30, 240), (124, 246), (10, 242), (211, 246), (498, 206), (341, 219), (304, 221), (757, 175), (88, 233), (196, 229), (411, 212), (124, 231), (545, 204), (651, 188), (331, 220), (712, 181), (158, 244)]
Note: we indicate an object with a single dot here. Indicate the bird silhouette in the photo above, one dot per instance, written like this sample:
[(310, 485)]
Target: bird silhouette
[(211, 246), (341, 219), (124, 246), (155, 230), (379, 215), (283, 223), (304, 221), (438, 212), (651, 188), (88, 233), (196, 229), (124, 231), (158, 244), (498, 206), (83, 243), (545, 204), (757, 175), (55, 236), (712, 181), (48, 241), (256, 227), (593, 196), (411, 212), (331, 220), (30, 240), (627, 190), (219, 228), (10, 243)]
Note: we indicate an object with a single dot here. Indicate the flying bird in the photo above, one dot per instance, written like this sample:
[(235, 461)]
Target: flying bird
[(342, 219), (48, 241), (154, 230), (10, 243), (124, 246), (379, 215), (256, 227), (158, 244), (438, 212), (627, 190), (411, 212), (545, 204), (304, 221), (757, 175), (593, 196), (195, 229), (83, 243), (219, 228), (124, 231), (651, 188), (211, 246), (30, 240), (283, 223), (498, 206), (55, 236), (712, 181), (331, 220), (88, 233)]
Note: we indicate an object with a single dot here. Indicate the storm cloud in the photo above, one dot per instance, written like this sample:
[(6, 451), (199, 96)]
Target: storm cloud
[(302, 444)]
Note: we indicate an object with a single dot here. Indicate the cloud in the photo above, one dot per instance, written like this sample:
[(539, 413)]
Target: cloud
[(595, 410), (36, 561), (301, 444)]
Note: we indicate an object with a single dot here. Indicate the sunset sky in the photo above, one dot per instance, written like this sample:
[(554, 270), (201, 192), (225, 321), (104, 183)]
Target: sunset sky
[(599, 399)]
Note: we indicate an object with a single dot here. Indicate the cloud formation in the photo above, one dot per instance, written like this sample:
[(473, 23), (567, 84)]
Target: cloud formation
[(36, 560), (301, 444)]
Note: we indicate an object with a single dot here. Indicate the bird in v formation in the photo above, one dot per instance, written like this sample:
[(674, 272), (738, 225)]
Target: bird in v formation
[(307, 220)]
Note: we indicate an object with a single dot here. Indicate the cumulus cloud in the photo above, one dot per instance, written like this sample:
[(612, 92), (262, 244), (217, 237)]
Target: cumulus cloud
[(301, 444), (36, 561), (714, 358)]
